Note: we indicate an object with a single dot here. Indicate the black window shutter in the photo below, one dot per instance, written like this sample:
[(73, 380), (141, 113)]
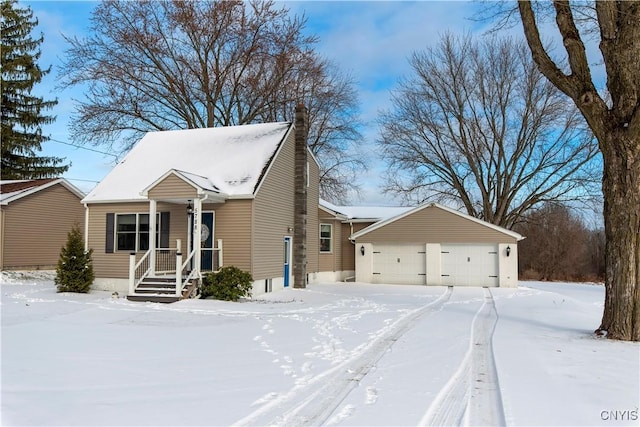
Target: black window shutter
[(108, 247), (164, 229)]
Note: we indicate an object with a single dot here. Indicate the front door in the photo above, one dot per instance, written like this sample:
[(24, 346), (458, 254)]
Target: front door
[(206, 241), (287, 260)]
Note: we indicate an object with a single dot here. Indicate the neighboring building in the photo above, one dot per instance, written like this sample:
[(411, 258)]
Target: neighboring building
[(233, 187), (35, 217), (435, 245)]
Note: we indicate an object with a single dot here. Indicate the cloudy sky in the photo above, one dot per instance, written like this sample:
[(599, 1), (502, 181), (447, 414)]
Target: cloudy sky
[(370, 40)]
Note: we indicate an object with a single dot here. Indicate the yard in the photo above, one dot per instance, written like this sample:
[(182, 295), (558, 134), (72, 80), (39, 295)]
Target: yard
[(331, 354)]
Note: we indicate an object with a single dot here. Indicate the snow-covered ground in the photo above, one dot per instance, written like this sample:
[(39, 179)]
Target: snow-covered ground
[(331, 354)]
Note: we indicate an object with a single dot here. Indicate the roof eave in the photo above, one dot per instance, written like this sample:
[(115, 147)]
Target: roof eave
[(73, 189), (381, 224)]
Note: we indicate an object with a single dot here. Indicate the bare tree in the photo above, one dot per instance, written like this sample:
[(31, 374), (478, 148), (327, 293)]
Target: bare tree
[(331, 100), (476, 124), (558, 245), (615, 121), (159, 65)]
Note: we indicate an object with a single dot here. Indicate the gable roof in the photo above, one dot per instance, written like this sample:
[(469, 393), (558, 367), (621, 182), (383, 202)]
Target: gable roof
[(363, 213), (232, 160), (201, 183), (381, 224), (16, 189)]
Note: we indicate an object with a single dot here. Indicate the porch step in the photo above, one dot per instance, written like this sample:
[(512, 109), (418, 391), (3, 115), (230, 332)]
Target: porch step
[(154, 298), (160, 289)]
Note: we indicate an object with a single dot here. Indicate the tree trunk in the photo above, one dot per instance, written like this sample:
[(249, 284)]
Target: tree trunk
[(621, 188)]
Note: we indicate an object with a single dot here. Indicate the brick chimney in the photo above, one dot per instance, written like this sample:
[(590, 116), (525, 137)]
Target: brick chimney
[(300, 199)]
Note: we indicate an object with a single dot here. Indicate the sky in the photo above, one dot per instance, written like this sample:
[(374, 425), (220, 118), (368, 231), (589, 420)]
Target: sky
[(370, 40)]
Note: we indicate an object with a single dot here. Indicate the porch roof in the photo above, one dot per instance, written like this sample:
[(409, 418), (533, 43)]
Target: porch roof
[(201, 184), (225, 160)]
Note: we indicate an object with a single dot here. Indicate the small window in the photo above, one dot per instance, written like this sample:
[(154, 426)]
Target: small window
[(132, 232), (126, 232), (326, 234)]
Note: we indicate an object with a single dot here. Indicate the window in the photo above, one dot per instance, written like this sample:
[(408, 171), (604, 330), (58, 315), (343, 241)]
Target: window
[(326, 234), (132, 232)]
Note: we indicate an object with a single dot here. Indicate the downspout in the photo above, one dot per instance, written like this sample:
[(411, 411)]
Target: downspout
[(2, 215), (86, 227), (346, 279)]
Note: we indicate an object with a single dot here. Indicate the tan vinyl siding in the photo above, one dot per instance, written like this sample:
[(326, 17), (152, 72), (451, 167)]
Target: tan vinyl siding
[(313, 224), (273, 214), (435, 225), (116, 264), (178, 223), (348, 248), (36, 227), (233, 226), (172, 187), (330, 261)]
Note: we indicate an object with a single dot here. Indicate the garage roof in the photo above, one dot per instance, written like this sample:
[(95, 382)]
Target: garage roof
[(387, 221), (363, 213)]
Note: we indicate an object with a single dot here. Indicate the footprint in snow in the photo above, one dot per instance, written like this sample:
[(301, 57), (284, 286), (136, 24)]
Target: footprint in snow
[(344, 413), (266, 398), (372, 396)]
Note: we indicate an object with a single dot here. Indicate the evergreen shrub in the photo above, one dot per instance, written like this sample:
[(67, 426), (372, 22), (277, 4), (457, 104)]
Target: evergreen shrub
[(74, 272), (228, 284)]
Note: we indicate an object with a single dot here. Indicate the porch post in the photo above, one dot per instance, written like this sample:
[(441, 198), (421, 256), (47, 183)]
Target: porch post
[(152, 236), (197, 226)]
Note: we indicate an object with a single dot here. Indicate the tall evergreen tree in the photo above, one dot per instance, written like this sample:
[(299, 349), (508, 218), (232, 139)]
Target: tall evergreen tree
[(22, 113)]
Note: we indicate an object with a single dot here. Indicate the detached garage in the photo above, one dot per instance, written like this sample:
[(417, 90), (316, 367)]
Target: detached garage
[(436, 245)]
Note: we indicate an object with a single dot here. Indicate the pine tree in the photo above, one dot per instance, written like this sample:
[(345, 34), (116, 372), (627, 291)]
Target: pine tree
[(22, 116), (75, 269)]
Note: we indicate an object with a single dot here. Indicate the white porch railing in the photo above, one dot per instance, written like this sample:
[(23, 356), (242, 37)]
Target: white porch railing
[(138, 271), (166, 260), (181, 279), (169, 261), (218, 251)]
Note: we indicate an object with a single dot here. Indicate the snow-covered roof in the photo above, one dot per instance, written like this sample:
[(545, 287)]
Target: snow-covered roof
[(365, 213), (230, 160), (410, 211), (11, 190)]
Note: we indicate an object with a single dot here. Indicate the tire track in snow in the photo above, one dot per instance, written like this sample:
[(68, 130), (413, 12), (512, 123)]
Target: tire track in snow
[(313, 403), (472, 395)]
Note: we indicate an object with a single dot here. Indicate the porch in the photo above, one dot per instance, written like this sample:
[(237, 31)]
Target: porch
[(169, 274), (166, 275)]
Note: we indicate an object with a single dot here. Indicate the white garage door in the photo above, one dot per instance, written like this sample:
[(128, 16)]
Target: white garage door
[(401, 264), (469, 265)]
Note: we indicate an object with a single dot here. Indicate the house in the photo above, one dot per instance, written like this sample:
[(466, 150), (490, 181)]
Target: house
[(336, 250), (215, 197), (435, 245), (35, 217)]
